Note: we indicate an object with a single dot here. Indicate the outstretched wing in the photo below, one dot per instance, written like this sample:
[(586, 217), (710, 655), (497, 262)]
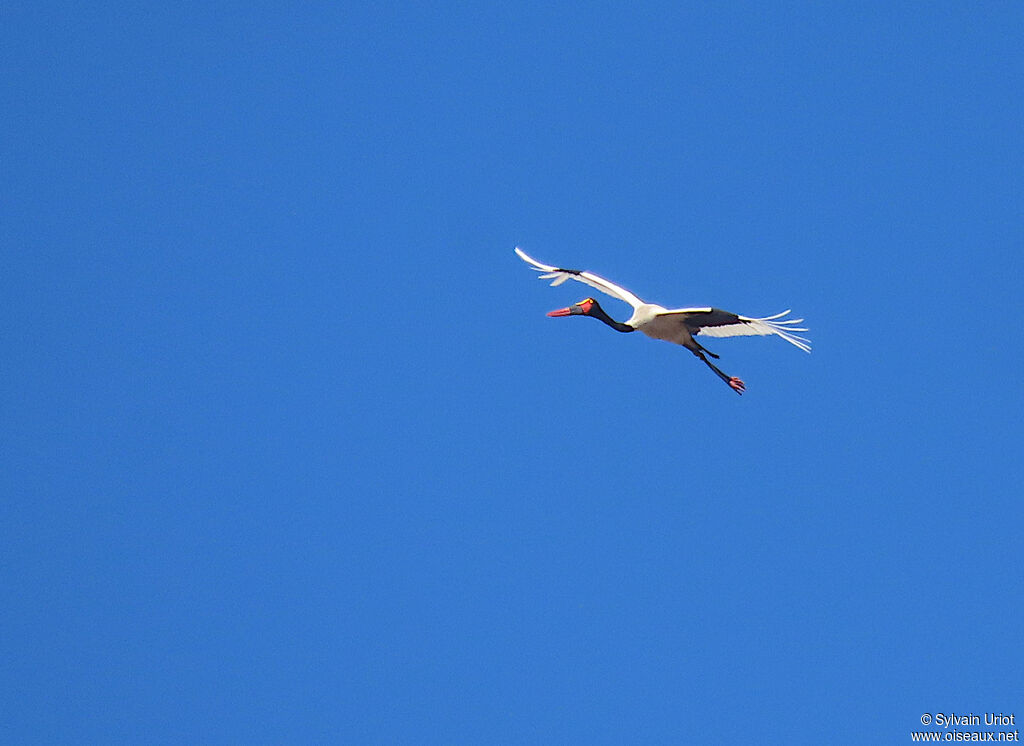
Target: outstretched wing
[(559, 276), (714, 322)]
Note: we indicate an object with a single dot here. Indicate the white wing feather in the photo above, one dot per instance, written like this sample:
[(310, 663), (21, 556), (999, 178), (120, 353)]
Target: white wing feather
[(588, 278), (748, 327)]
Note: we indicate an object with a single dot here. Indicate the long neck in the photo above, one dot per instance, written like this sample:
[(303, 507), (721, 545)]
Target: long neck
[(598, 313)]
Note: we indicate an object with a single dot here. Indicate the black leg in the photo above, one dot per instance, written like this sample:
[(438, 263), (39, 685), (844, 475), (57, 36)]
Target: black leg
[(702, 348), (734, 383)]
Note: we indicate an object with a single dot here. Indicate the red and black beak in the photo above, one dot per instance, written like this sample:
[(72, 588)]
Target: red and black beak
[(570, 311), (580, 309)]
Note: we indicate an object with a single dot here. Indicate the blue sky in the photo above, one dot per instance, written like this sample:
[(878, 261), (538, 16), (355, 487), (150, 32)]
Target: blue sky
[(291, 452)]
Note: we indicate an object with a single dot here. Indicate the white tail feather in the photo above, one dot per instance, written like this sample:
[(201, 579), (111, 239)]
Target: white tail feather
[(786, 332), (767, 325)]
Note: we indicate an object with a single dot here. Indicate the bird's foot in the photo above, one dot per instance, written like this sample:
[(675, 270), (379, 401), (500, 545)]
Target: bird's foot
[(737, 385)]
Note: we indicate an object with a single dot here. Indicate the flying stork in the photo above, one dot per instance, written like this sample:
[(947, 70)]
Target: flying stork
[(678, 325)]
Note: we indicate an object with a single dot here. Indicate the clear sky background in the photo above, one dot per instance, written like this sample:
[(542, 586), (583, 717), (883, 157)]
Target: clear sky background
[(291, 453)]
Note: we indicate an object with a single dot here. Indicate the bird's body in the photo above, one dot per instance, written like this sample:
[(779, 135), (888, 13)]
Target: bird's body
[(657, 323), (679, 325)]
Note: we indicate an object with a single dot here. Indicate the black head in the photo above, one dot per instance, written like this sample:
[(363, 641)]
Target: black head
[(590, 307)]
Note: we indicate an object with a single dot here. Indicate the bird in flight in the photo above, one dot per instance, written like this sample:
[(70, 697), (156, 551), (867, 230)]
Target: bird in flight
[(677, 325)]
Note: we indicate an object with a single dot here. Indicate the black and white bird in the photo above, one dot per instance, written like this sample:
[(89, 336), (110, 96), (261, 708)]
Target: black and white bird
[(678, 325)]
